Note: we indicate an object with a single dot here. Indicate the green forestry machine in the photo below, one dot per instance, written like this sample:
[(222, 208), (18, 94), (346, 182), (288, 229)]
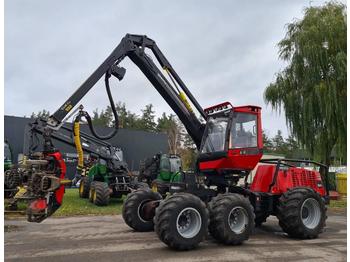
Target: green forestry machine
[(101, 181), (213, 199), (160, 171), (10, 181), (7, 156)]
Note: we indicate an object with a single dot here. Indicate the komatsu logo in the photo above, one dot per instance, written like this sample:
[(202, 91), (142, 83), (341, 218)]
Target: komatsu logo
[(67, 106)]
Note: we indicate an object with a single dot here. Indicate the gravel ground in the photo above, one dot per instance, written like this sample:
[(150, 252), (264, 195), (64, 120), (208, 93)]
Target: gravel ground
[(107, 238)]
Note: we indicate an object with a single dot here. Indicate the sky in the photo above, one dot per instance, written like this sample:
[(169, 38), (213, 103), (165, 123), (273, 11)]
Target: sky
[(223, 50)]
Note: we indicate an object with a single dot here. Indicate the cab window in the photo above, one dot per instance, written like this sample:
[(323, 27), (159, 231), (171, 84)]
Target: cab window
[(216, 133), (243, 131)]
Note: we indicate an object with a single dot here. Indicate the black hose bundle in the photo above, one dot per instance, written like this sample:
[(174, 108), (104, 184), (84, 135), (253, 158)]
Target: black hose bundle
[(114, 111)]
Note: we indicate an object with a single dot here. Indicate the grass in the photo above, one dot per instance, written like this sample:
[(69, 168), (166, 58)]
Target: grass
[(73, 205), (338, 204)]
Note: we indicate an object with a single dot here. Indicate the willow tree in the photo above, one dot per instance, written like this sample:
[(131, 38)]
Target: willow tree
[(312, 87)]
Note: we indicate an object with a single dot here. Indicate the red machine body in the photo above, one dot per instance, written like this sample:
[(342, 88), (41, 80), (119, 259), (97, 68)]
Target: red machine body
[(44, 206), (61, 165), (285, 179), (242, 147)]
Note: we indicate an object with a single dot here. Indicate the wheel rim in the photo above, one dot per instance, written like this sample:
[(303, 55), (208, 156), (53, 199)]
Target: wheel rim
[(188, 222), (139, 210), (310, 213), (238, 220)]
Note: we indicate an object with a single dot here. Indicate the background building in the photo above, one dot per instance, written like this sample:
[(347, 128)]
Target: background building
[(135, 144)]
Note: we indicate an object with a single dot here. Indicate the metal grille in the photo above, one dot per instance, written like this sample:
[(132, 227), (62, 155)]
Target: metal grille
[(304, 178)]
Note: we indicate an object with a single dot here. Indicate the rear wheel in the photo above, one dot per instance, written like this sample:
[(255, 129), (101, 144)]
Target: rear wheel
[(302, 213), (100, 193), (231, 218), (181, 221), (134, 212), (84, 187)]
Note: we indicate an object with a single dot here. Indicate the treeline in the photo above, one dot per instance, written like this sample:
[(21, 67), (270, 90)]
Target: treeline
[(279, 145), (179, 141), (145, 121)]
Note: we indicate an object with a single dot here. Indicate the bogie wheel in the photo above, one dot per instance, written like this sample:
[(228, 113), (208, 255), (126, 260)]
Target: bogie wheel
[(100, 193), (302, 213), (231, 218), (84, 187), (181, 221), (133, 209)]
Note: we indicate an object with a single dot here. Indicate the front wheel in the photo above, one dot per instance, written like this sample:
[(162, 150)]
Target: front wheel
[(231, 218), (99, 193), (84, 187), (302, 213), (134, 209), (181, 221)]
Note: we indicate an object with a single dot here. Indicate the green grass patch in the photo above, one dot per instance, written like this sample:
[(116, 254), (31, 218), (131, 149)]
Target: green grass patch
[(73, 205), (338, 204)]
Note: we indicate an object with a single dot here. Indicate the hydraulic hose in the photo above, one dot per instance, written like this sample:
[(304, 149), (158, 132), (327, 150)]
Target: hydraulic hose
[(76, 126), (77, 142), (114, 111)]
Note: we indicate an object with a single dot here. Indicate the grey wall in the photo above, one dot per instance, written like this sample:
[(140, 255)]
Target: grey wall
[(136, 145)]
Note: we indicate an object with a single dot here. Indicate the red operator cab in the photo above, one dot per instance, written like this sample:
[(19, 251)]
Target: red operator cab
[(232, 140)]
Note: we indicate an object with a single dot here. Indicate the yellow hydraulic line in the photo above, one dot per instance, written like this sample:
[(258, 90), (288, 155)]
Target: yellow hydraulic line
[(65, 181), (182, 95), (185, 101), (78, 146)]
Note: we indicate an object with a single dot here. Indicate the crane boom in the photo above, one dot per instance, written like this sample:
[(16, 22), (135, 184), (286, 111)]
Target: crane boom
[(133, 46)]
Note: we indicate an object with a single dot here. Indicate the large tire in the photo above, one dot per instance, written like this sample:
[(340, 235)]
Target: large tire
[(302, 213), (181, 221), (84, 187), (231, 218), (100, 193), (132, 209), (139, 185)]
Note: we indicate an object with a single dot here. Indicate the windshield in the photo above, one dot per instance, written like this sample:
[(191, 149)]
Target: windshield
[(216, 132), (175, 164), (164, 164), (243, 131)]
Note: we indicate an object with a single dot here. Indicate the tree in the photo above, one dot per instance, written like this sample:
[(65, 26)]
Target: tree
[(312, 87), (170, 125), (41, 114), (147, 122), (126, 118), (188, 152), (278, 143), (268, 146), (101, 119)]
